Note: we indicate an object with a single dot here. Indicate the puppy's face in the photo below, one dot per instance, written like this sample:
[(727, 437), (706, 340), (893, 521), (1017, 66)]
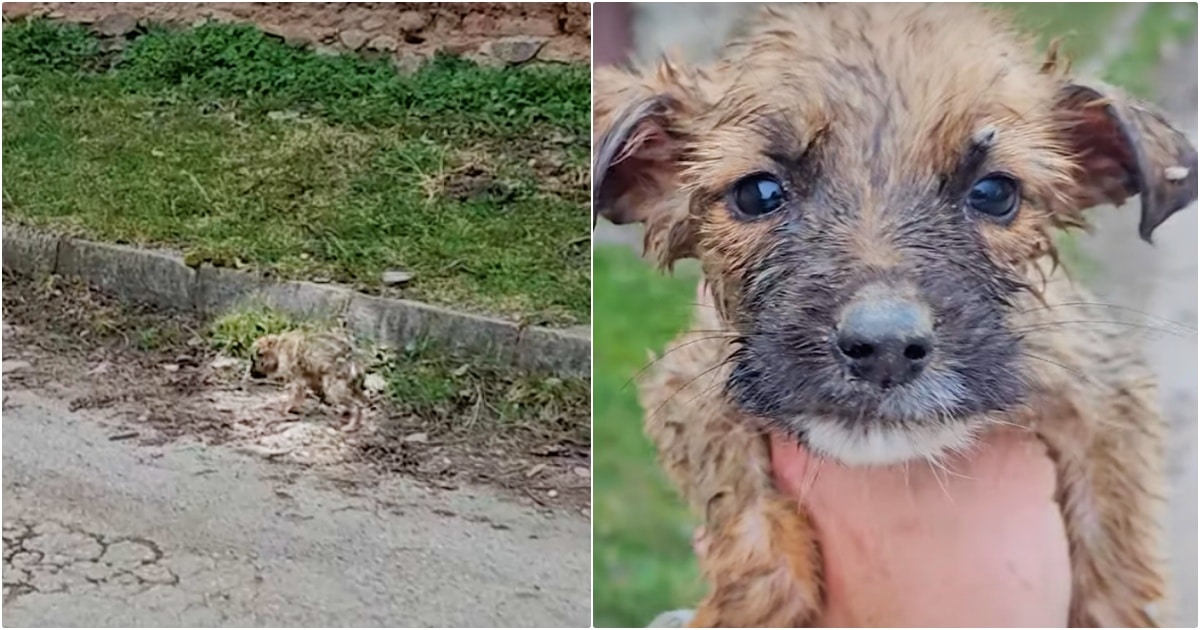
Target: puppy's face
[(865, 187), (264, 358)]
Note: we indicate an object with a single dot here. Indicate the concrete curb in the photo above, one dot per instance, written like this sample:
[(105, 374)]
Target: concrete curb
[(163, 280)]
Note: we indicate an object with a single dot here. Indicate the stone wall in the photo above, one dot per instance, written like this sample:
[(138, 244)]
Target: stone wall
[(494, 32)]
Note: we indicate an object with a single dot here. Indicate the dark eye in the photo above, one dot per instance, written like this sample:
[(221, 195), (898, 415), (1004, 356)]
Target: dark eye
[(994, 195), (757, 195)]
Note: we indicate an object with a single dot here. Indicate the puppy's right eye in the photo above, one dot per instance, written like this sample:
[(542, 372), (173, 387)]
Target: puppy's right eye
[(757, 195)]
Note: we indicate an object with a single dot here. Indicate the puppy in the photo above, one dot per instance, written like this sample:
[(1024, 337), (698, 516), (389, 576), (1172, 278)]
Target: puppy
[(873, 192), (320, 362)]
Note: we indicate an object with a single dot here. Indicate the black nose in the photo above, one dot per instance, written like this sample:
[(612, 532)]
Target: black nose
[(886, 342)]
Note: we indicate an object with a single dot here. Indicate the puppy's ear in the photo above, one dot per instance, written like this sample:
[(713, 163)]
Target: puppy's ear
[(640, 130), (1126, 147)]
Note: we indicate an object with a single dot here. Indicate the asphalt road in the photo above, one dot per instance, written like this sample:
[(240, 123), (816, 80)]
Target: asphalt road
[(103, 532)]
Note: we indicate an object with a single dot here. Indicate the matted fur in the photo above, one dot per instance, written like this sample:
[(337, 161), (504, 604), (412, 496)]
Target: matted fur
[(867, 114), (320, 362)]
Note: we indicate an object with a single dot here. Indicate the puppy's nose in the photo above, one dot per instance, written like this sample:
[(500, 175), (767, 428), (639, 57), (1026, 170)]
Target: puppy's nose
[(886, 340)]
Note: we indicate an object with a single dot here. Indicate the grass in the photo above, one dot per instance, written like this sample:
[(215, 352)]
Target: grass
[(642, 558), (450, 398), (240, 150), (429, 388), (234, 332)]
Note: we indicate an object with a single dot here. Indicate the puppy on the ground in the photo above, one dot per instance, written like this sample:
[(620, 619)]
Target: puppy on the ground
[(320, 362), (873, 193)]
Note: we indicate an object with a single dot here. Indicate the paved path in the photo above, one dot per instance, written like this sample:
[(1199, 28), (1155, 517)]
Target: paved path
[(107, 533)]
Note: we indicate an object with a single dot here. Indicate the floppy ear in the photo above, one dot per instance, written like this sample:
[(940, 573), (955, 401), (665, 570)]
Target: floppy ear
[(639, 135), (1126, 147)]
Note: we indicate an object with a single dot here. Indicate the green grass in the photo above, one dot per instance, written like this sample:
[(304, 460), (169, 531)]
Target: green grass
[(430, 388), (234, 332), (1075, 24), (240, 150), (450, 398), (642, 558), (642, 555), (1133, 68)]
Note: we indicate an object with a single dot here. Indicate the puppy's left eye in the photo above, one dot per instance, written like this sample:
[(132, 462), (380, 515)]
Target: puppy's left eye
[(758, 194), (995, 195)]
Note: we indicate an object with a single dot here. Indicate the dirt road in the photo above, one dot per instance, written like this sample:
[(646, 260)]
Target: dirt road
[(99, 531)]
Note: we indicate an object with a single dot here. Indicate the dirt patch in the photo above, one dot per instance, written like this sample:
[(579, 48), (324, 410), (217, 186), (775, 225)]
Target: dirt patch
[(157, 377), (504, 32)]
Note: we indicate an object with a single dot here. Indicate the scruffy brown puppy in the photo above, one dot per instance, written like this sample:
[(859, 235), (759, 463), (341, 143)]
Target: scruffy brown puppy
[(872, 192), (320, 362)]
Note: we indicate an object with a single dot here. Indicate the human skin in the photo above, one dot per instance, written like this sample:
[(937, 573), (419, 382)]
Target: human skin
[(977, 541)]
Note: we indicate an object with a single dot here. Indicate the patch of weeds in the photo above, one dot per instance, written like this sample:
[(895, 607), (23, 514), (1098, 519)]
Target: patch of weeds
[(242, 151), (235, 332), (449, 398), (35, 46), (154, 338), (222, 61)]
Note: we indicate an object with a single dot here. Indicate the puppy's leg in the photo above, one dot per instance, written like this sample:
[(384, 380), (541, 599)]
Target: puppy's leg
[(339, 393), (764, 568), (762, 562), (296, 391), (1110, 493)]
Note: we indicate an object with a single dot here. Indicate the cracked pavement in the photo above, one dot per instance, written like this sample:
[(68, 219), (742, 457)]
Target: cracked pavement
[(105, 532)]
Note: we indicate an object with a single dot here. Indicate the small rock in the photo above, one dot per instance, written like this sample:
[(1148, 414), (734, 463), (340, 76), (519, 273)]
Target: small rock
[(10, 366), (116, 25), (17, 10), (221, 363), (408, 64), (396, 277), (170, 367), (417, 438), (101, 368), (384, 43), (279, 115), (411, 21), (372, 23), (552, 493), (353, 39), (582, 472), (291, 34), (515, 50), (586, 513), (113, 44), (532, 472), (374, 382)]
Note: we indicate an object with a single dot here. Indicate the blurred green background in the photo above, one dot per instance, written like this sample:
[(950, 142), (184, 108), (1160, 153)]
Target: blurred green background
[(642, 558)]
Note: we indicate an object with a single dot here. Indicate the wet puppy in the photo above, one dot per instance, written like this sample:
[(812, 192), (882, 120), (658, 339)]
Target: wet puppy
[(873, 193), (320, 362)]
